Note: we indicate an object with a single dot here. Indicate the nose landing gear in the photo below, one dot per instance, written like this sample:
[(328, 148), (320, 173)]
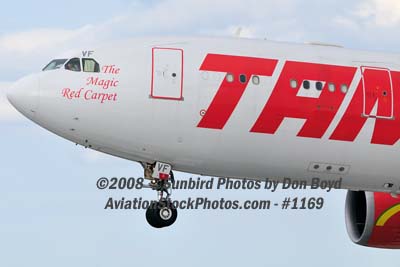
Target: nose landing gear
[(161, 213)]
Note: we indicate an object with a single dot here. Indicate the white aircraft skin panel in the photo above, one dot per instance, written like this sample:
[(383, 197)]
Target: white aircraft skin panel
[(138, 127)]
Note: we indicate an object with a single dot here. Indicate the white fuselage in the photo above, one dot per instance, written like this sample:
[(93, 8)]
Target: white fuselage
[(150, 99)]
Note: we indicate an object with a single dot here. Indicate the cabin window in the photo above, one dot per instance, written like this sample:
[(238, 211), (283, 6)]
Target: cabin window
[(55, 64), (293, 84), (319, 86), (91, 65), (331, 87), (243, 78), (306, 85), (73, 64), (230, 78), (344, 88), (256, 80)]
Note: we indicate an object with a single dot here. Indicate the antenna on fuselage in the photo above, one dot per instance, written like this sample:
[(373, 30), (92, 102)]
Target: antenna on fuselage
[(238, 32)]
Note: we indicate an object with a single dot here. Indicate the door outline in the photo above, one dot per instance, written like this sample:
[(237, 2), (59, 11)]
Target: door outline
[(364, 113), (152, 95)]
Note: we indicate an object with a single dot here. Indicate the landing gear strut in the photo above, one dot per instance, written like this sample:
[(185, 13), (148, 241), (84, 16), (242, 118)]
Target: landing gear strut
[(161, 213)]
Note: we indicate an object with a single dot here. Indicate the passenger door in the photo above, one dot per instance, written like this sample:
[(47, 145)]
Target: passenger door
[(377, 93), (167, 73)]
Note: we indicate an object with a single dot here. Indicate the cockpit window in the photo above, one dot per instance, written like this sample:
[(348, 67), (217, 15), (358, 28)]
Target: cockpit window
[(55, 64), (73, 64), (90, 65)]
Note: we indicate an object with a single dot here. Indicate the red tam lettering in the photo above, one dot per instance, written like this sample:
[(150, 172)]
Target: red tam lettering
[(229, 93), (319, 112), (377, 89)]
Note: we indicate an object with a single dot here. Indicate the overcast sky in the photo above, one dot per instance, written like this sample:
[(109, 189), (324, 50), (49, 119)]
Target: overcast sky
[(51, 212)]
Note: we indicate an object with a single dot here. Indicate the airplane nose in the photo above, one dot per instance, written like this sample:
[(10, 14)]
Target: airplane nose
[(24, 95)]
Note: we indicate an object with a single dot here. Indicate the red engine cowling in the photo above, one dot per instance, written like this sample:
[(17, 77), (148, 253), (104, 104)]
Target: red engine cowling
[(373, 219)]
